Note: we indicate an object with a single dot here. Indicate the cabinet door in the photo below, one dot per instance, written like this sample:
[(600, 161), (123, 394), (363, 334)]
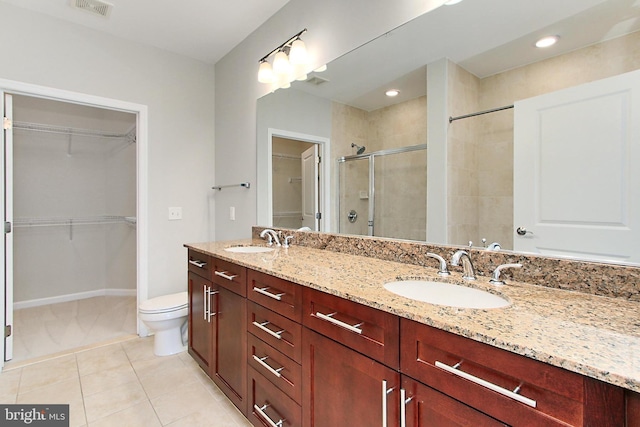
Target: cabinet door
[(229, 364), (342, 387), (199, 321), (426, 407)]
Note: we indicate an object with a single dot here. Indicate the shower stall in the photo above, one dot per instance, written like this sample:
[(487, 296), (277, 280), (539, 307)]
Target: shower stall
[(384, 193)]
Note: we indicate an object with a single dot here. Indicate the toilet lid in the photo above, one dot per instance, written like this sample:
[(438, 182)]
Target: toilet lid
[(164, 303)]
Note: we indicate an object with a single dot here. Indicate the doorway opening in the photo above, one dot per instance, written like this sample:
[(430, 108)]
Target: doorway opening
[(74, 169)]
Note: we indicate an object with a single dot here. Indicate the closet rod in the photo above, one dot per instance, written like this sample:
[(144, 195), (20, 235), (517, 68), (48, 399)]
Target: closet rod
[(479, 113), (37, 127)]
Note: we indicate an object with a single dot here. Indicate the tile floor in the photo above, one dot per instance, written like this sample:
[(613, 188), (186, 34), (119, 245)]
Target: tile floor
[(123, 384), (49, 329)]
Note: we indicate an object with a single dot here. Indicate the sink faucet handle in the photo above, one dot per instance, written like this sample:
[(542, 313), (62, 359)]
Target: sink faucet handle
[(271, 236), (495, 276), (442, 271), (286, 241)]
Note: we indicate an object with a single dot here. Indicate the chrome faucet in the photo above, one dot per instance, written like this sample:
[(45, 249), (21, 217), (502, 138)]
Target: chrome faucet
[(495, 276), (442, 271), (271, 236), (468, 273)]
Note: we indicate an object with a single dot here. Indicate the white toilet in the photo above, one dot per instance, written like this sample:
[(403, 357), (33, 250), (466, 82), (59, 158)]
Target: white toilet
[(166, 316)]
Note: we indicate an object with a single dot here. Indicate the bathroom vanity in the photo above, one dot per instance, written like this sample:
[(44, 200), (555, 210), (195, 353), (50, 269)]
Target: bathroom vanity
[(309, 337)]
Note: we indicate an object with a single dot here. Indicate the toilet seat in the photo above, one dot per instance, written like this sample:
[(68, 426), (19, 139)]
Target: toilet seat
[(165, 304)]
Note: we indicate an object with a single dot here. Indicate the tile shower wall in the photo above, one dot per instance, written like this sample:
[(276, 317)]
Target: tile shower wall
[(396, 126), (487, 140)]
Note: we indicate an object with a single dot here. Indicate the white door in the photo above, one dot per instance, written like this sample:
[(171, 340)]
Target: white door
[(310, 188), (576, 171), (7, 248)]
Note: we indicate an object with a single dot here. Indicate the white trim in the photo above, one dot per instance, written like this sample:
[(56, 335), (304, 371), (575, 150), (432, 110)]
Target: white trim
[(74, 297), (324, 145), (141, 111)]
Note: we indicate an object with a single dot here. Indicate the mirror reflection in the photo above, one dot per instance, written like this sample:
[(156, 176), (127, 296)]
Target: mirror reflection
[(467, 185)]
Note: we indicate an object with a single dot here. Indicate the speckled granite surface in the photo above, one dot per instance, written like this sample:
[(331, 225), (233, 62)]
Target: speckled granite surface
[(589, 334)]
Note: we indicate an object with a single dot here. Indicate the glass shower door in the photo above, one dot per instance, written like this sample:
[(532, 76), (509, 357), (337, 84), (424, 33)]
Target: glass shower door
[(354, 196), (400, 189)]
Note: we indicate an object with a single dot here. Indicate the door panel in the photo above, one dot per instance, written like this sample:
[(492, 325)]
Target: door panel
[(310, 188), (7, 249), (575, 171)]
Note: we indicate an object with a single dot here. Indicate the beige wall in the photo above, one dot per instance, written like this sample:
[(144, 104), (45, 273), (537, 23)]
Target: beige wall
[(287, 182), (488, 140)]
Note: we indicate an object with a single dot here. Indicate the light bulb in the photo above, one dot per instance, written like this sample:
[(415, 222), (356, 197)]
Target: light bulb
[(265, 73), (298, 53), (281, 65), (547, 41)]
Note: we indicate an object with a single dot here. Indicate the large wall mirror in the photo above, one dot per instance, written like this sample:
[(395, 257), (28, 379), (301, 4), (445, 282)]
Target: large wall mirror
[(550, 171)]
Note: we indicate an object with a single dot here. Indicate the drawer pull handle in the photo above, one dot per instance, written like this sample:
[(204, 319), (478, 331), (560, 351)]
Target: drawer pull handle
[(404, 400), (210, 313), (385, 392), (329, 318), (491, 386), (262, 326), (263, 291), (261, 362), (199, 264), (260, 410), (225, 275)]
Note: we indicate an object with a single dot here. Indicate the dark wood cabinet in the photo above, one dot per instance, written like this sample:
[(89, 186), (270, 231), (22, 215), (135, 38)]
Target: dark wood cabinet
[(345, 388), (229, 359), (290, 355), (217, 323), (426, 407), (199, 322), (508, 387), (632, 403)]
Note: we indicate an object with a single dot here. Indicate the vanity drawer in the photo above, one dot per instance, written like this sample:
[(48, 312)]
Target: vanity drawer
[(229, 275), (269, 406), (282, 371), (199, 263), (553, 396), (279, 295), (365, 329), (279, 332)]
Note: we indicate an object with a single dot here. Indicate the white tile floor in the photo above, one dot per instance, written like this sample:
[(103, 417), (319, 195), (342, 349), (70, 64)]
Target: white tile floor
[(123, 384), (53, 328)]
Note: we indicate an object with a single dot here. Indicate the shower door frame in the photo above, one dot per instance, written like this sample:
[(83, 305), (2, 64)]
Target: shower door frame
[(372, 180)]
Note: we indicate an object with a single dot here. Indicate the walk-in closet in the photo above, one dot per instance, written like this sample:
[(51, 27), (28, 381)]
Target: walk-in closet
[(74, 226)]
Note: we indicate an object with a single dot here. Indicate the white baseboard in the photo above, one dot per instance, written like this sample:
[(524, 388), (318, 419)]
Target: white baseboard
[(73, 297)]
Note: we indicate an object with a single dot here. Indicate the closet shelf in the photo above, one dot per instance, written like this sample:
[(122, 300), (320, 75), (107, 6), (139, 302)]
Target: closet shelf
[(70, 221), (37, 127)]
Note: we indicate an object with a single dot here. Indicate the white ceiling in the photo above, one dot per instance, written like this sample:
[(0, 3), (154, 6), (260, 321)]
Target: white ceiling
[(484, 37), (205, 30)]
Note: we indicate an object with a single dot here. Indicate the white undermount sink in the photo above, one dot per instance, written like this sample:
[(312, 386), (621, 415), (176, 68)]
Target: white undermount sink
[(446, 294), (248, 249)]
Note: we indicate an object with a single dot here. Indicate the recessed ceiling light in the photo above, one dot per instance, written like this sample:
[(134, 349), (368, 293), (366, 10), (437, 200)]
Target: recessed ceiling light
[(452, 2), (392, 92), (547, 41)]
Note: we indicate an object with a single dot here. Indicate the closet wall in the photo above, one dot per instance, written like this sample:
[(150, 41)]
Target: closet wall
[(71, 196)]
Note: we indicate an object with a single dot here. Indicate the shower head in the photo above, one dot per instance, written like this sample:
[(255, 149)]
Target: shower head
[(360, 149)]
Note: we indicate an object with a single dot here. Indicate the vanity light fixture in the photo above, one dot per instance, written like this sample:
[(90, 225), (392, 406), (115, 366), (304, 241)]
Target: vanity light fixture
[(547, 41), (290, 62), (392, 92)]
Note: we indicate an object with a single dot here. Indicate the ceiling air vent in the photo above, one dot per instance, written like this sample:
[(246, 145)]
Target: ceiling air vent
[(95, 7), (315, 80)]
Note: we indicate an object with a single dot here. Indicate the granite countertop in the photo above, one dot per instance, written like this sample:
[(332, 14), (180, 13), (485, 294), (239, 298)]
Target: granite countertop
[(592, 335)]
